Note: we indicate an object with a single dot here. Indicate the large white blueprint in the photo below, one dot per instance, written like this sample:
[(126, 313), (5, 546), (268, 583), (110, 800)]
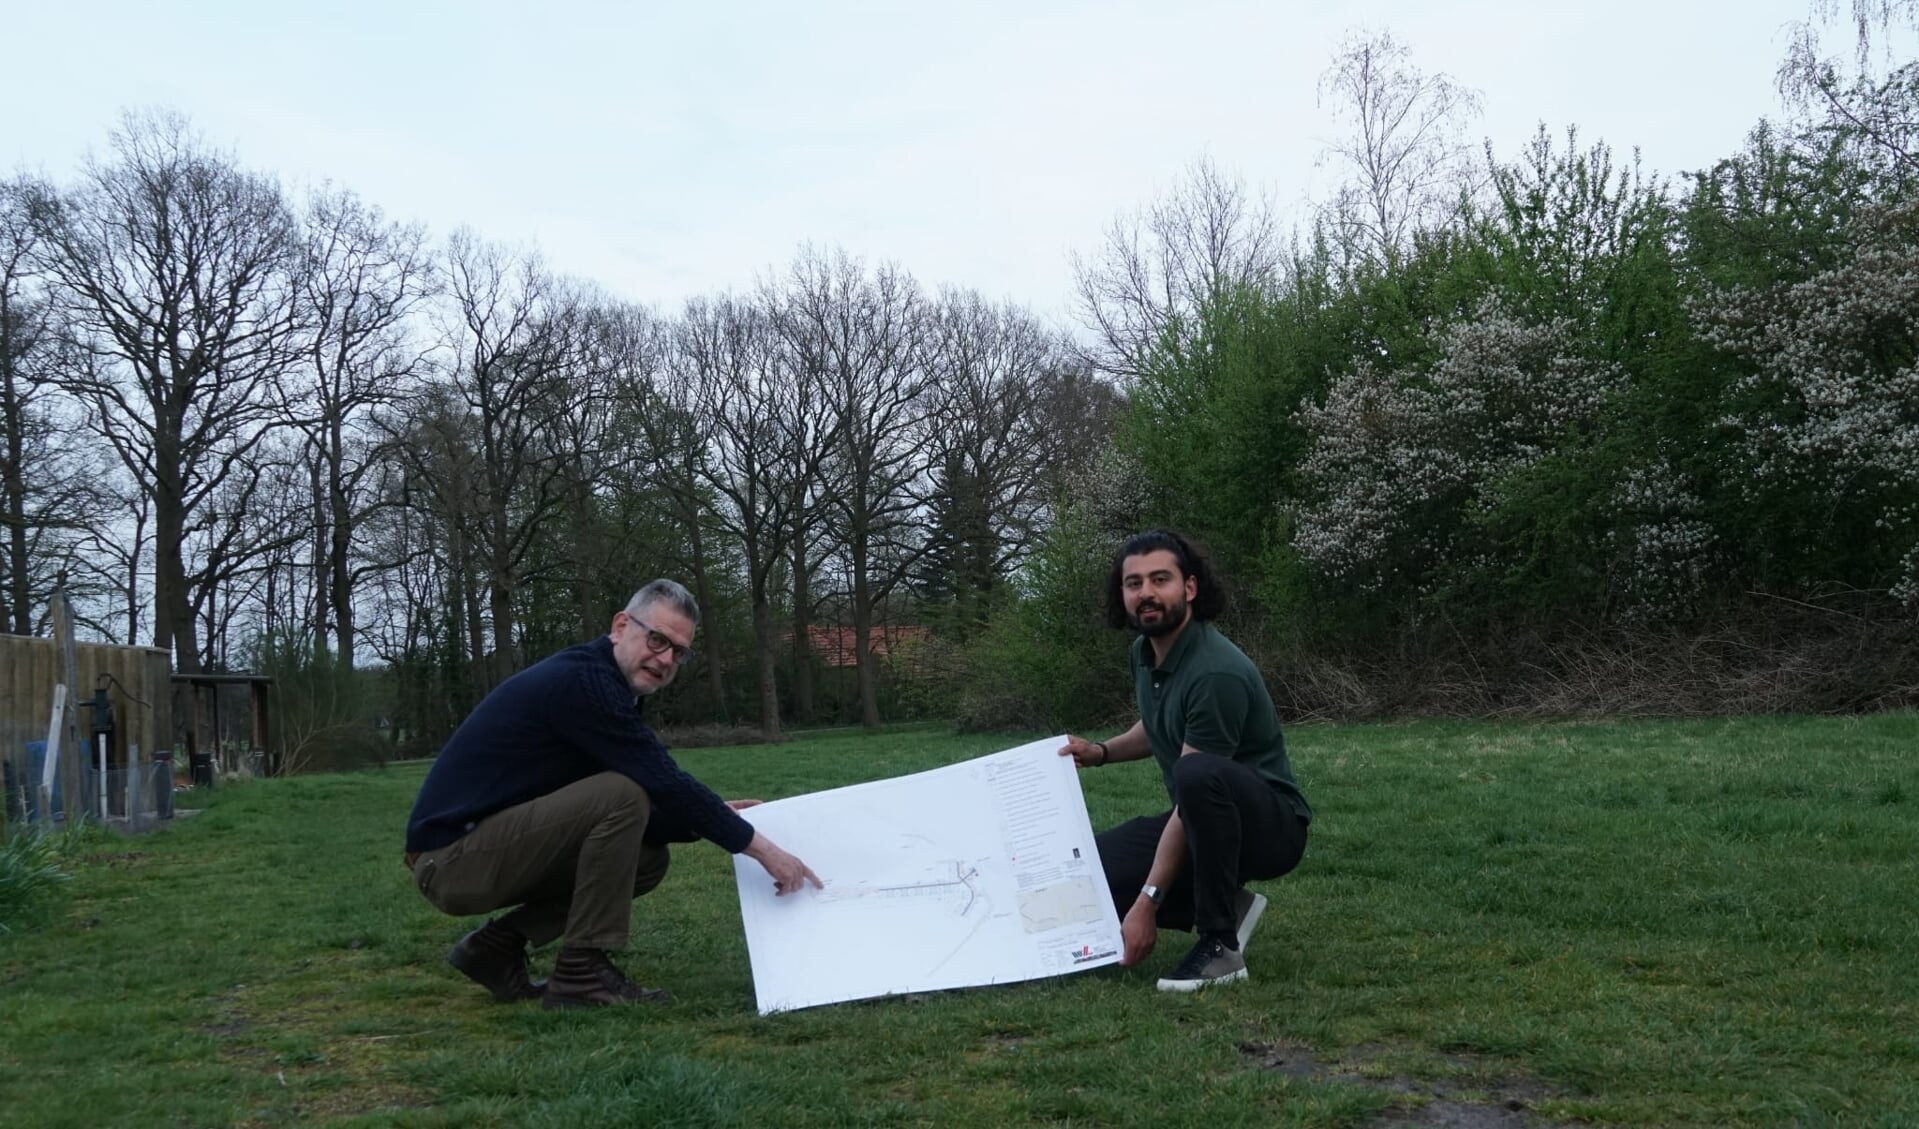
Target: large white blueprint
[(982, 872)]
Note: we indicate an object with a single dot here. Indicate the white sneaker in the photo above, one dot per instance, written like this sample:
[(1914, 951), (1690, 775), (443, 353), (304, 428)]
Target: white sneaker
[(1209, 962), (1247, 906)]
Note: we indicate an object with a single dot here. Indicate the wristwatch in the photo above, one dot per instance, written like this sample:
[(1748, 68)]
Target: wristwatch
[(1153, 893)]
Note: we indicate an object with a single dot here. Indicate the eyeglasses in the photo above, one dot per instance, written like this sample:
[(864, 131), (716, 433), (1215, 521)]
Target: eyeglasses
[(657, 643)]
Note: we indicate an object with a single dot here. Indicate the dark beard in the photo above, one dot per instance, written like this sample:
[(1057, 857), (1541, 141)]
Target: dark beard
[(1169, 620)]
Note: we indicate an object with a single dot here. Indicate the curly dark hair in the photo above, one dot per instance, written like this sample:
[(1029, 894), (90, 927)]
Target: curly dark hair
[(1208, 601)]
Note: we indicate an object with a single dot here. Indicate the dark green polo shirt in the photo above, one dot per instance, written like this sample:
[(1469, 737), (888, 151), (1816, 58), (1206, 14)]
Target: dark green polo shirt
[(1209, 695)]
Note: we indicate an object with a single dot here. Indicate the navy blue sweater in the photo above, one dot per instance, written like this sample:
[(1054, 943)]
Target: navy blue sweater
[(563, 719)]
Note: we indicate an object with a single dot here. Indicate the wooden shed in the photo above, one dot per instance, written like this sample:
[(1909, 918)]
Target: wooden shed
[(136, 683), (210, 747)]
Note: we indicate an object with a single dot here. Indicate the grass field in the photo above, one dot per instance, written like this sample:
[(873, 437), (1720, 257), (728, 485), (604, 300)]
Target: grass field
[(1701, 923)]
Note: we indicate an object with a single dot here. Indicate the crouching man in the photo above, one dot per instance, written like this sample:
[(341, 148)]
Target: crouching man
[(1208, 722), (555, 802)]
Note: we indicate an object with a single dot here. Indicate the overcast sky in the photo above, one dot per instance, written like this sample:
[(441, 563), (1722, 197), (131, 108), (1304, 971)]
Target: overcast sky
[(667, 150)]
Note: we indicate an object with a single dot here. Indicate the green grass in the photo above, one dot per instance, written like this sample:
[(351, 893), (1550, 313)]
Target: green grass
[(31, 873), (1698, 923)]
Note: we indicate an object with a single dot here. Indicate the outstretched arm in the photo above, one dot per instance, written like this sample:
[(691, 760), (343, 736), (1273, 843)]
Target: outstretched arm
[(789, 873), (1128, 746)]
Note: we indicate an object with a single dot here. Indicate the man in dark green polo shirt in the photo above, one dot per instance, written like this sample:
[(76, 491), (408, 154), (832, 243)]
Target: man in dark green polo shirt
[(1207, 719)]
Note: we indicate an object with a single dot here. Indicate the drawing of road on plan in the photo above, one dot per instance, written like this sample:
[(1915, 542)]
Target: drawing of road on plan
[(953, 885), (950, 888), (978, 873)]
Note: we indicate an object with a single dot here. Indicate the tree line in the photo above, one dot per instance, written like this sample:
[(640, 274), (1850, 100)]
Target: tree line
[(260, 430)]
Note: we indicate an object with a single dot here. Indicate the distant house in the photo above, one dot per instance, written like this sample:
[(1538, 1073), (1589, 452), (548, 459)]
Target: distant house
[(834, 646)]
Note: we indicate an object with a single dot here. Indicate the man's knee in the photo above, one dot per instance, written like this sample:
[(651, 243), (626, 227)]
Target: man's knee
[(610, 802), (652, 871), (1197, 771), (453, 894), (617, 791)]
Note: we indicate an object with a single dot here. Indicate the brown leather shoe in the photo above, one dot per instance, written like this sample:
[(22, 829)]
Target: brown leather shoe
[(588, 978), (494, 957)]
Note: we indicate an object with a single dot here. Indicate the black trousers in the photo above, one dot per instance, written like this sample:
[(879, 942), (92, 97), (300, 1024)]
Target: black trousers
[(1237, 829)]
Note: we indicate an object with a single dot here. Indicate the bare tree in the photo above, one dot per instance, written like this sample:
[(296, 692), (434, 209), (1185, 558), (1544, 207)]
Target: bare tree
[(110, 561), (41, 486), (175, 268), (768, 430), (525, 365), (361, 279), (419, 620), (863, 339), (1157, 270), (1078, 413), (667, 468), (987, 448), (720, 379), (402, 591), (432, 538), (258, 518), (609, 512), (1406, 156)]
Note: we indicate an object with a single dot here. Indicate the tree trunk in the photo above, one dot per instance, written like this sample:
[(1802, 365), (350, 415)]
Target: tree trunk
[(339, 559), (16, 611), (803, 703), (702, 591), (467, 590), (768, 662), (173, 628), (322, 560), (862, 638), (133, 577), (16, 608), (589, 603), (501, 606), (500, 591)]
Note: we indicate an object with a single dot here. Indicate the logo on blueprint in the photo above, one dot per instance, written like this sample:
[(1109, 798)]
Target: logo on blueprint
[(1086, 954)]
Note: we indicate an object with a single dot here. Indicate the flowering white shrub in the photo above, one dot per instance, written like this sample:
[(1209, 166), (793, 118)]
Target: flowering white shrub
[(1400, 457), (1662, 550), (1829, 400)]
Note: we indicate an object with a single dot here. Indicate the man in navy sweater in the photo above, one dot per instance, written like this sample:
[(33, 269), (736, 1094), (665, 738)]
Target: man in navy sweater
[(555, 802)]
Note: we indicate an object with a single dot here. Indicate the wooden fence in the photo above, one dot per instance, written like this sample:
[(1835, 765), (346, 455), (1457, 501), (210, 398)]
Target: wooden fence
[(138, 684)]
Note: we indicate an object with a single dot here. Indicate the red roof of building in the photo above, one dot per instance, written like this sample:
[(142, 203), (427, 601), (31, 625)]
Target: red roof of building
[(834, 645)]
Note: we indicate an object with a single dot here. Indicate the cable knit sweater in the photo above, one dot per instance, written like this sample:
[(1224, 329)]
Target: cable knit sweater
[(568, 717)]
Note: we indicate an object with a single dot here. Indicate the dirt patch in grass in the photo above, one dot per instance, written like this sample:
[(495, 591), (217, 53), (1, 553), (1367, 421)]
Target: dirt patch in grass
[(1490, 1100)]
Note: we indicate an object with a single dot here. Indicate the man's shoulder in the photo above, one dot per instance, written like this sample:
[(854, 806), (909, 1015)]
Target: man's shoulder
[(1214, 654), (574, 668), (587, 655)]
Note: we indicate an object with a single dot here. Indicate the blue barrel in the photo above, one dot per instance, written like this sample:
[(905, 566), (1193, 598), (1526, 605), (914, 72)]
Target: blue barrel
[(36, 768)]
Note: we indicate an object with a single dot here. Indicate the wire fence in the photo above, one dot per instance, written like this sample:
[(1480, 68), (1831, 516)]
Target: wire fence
[(130, 797)]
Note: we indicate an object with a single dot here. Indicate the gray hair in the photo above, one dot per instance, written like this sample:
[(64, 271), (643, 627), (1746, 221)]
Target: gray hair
[(664, 591)]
